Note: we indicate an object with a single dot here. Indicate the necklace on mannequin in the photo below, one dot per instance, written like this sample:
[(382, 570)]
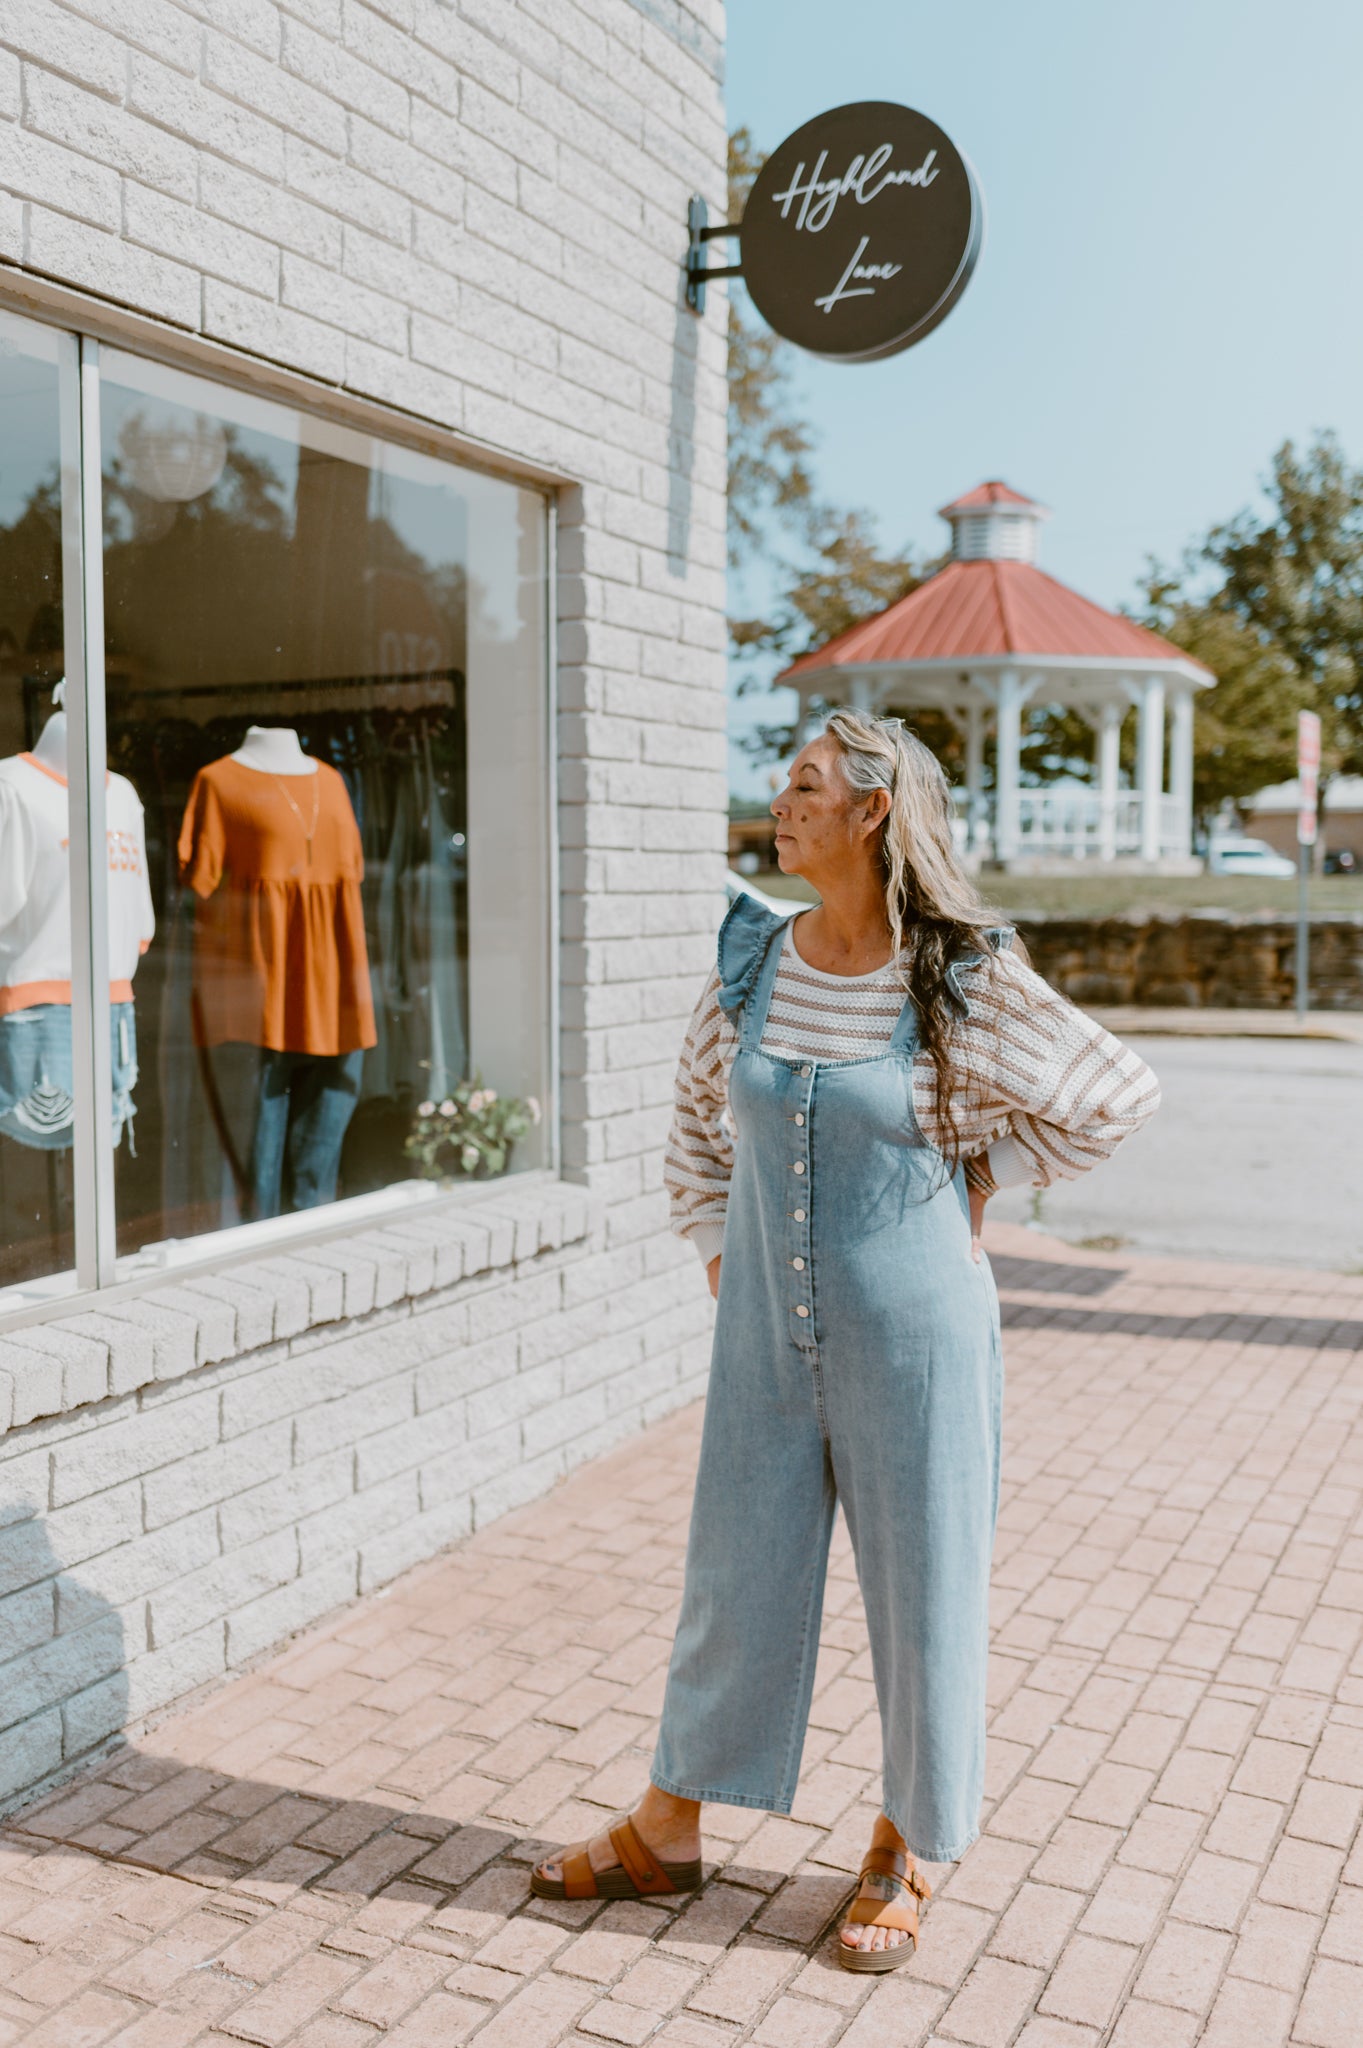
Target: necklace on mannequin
[(309, 831)]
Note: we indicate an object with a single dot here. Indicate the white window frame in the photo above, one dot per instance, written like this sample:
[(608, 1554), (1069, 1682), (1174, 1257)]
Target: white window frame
[(98, 1268)]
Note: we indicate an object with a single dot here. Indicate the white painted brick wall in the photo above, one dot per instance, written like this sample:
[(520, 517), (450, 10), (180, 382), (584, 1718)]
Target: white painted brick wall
[(472, 211)]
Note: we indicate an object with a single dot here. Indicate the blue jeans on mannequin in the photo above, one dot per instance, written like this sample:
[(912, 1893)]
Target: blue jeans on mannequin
[(303, 1109), (37, 1076)]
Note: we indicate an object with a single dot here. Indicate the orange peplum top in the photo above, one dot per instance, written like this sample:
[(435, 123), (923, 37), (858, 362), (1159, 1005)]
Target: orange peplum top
[(279, 952)]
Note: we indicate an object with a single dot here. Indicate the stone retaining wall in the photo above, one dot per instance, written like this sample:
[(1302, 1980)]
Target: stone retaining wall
[(1210, 959)]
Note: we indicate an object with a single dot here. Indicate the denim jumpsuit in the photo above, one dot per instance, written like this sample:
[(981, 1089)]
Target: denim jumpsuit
[(856, 1360)]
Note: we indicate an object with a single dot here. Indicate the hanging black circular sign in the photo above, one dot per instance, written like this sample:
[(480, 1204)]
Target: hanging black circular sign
[(861, 231)]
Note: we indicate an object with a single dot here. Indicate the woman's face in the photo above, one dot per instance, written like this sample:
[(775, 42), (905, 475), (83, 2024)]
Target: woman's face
[(822, 825)]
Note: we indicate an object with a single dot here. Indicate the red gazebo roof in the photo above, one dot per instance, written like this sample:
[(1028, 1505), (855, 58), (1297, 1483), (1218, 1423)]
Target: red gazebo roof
[(990, 608), (992, 493)]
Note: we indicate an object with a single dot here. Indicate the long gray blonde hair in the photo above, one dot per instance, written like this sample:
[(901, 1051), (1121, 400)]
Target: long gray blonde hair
[(937, 918)]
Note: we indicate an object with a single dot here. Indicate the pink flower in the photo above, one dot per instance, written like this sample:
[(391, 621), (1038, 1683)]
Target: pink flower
[(425, 1109)]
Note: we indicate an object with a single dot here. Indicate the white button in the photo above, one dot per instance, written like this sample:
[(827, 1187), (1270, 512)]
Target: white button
[(806, 1070), (802, 1310), (798, 1167), (798, 1214), (799, 1116), (798, 1264)]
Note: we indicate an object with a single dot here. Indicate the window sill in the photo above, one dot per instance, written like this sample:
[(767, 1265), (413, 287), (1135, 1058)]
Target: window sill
[(159, 1326)]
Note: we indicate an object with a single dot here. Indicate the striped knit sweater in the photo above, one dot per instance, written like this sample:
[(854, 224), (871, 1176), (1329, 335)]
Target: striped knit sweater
[(1044, 1092)]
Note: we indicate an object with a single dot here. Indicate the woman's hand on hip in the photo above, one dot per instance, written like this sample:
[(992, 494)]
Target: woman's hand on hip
[(979, 1186), (978, 1198), (712, 1273)]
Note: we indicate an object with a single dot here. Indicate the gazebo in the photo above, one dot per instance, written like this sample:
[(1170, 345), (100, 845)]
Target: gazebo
[(991, 634)]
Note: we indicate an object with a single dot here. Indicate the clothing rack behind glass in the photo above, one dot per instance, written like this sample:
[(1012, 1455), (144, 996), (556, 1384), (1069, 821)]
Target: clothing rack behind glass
[(430, 689)]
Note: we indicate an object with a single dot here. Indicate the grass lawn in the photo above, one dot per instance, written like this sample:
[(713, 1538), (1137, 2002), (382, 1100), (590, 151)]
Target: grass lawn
[(1111, 896)]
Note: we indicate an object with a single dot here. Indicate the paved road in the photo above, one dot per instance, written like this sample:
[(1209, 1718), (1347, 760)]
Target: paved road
[(1257, 1153)]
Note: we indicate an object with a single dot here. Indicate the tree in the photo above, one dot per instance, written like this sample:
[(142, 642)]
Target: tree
[(770, 483), (824, 564), (1272, 602), (1245, 730), (1293, 578)]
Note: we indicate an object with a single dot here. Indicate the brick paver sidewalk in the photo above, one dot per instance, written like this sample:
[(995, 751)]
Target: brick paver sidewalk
[(332, 1850)]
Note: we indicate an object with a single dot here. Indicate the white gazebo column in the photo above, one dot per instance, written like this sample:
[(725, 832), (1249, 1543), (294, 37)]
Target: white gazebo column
[(1150, 763), (1012, 697), (1181, 768), (1109, 729), (974, 776)]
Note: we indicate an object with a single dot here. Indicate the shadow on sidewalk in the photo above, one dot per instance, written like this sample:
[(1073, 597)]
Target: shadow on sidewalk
[(1307, 1333), (1051, 1276), (396, 1868)]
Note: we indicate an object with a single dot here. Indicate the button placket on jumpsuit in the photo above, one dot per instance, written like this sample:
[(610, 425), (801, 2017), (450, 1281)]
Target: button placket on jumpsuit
[(857, 1360)]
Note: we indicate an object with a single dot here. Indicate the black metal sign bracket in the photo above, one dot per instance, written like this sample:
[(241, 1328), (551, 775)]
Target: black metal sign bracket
[(699, 232)]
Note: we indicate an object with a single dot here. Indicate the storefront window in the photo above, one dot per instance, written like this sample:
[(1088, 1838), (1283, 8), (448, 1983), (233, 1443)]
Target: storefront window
[(38, 1086), (325, 720)]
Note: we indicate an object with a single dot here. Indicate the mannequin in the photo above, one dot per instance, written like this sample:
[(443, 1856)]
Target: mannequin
[(36, 1071), (274, 750), (50, 745), (281, 970)]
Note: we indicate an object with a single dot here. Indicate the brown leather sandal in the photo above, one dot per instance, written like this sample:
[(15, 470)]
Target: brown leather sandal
[(639, 1875), (898, 1912)]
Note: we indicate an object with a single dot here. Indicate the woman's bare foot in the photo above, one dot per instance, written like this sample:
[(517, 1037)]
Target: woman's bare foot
[(884, 1835), (669, 1827)]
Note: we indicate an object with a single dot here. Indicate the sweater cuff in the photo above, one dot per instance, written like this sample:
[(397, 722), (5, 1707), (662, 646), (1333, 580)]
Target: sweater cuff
[(708, 1239), (1010, 1165)]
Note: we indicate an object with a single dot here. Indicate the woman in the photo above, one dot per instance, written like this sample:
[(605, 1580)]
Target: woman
[(856, 1081)]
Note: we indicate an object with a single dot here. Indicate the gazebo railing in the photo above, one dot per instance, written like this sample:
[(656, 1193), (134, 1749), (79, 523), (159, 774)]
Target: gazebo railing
[(1069, 823)]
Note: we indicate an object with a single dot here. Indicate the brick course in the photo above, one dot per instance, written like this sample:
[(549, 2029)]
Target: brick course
[(340, 1837)]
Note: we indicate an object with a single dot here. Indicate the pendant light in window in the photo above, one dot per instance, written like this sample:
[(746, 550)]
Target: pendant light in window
[(172, 455)]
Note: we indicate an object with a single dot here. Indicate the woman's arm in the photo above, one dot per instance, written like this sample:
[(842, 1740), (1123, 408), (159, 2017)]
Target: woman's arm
[(700, 1153), (979, 1186), (1046, 1092)]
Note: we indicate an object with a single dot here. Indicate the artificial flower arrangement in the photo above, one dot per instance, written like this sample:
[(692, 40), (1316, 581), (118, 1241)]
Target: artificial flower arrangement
[(470, 1132)]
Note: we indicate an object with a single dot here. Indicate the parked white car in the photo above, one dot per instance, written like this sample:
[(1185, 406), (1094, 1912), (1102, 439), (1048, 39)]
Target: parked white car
[(738, 885), (1247, 857)]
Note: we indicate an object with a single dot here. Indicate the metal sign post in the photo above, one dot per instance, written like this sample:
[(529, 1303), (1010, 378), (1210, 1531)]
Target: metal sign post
[(1308, 789)]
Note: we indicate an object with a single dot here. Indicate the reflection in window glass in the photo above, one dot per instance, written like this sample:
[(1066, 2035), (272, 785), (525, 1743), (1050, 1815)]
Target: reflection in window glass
[(37, 1084), (325, 682)]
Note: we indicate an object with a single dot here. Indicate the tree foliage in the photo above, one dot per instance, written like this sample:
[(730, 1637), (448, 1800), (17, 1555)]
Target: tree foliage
[(1272, 602), (1294, 578), (823, 563), (1245, 730), (771, 487)]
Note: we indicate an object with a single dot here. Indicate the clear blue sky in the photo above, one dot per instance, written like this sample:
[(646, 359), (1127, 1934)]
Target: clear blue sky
[(1172, 277)]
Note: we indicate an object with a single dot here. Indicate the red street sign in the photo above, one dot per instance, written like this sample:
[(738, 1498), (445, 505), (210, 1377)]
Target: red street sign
[(1308, 776)]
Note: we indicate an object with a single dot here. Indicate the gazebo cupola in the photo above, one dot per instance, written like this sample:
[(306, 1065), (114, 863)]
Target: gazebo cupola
[(989, 638), (993, 524)]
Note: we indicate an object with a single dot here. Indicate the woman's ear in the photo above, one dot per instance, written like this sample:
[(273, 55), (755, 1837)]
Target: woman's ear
[(877, 810)]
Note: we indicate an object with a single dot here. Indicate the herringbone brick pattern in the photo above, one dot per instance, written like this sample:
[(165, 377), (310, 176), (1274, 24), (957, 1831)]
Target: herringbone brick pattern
[(332, 1850)]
